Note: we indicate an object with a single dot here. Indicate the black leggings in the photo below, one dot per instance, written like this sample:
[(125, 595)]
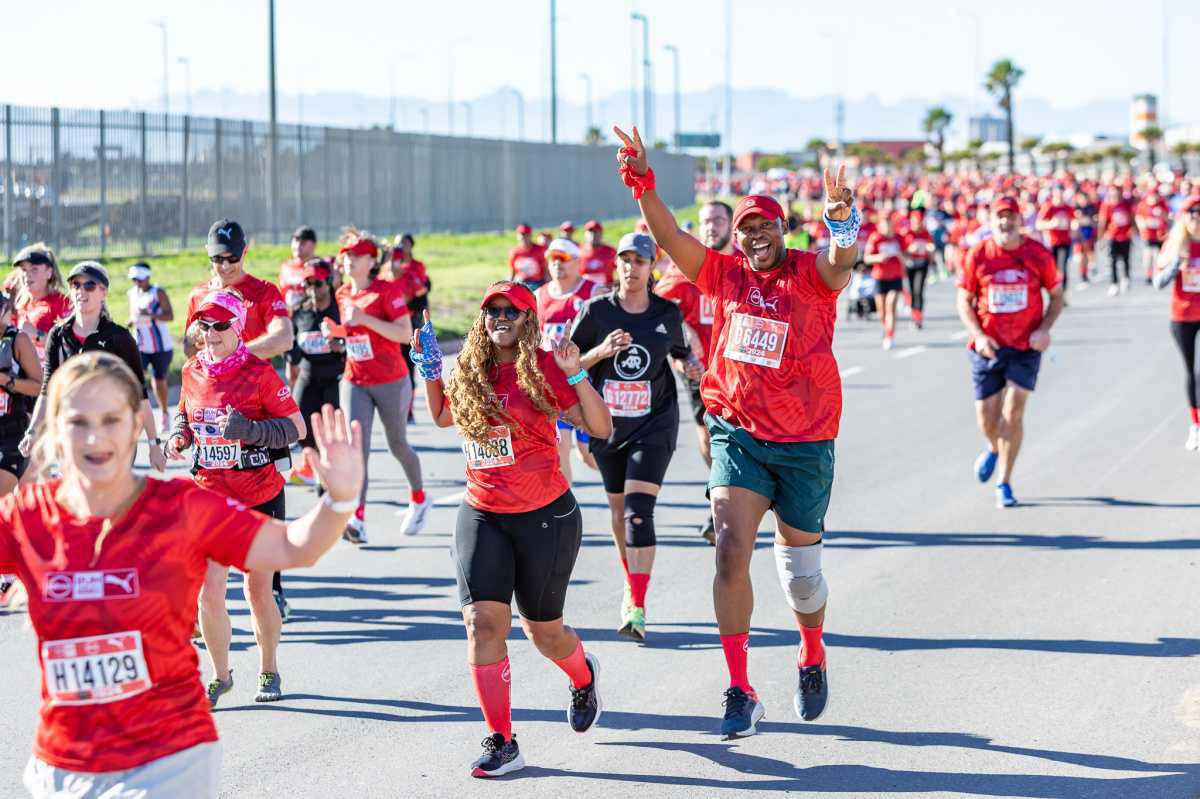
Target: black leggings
[(1184, 334), (1062, 259), (530, 554), (310, 396), (635, 461), (276, 509), (1118, 251), (917, 275)]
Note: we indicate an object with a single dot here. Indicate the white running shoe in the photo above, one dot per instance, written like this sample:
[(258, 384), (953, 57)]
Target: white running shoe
[(888, 342), (1193, 439), (1124, 285), (1114, 290), (414, 516)]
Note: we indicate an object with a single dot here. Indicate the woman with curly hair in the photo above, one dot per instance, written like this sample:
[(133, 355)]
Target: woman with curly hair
[(504, 398)]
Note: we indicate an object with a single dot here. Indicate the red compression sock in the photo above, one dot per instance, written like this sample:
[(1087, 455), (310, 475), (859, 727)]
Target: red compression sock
[(638, 583), (812, 648), (737, 650), (418, 497), (360, 512), (575, 666), (1195, 415), (493, 686)]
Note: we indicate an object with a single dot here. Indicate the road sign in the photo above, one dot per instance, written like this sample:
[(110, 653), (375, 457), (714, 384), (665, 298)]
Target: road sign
[(712, 140)]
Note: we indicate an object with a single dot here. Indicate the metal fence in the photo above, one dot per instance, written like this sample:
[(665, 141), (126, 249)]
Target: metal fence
[(112, 183)]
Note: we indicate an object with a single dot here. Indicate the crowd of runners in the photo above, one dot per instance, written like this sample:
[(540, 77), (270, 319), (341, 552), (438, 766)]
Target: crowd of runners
[(580, 354)]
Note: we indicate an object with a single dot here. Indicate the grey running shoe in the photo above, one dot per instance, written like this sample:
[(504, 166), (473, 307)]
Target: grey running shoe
[(216, 687), (500, 757), (270, 687)]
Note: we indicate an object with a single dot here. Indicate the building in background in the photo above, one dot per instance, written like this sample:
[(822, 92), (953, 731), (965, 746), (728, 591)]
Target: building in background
[(988, 128)]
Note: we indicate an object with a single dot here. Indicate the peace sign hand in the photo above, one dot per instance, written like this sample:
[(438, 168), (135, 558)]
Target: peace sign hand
[(633, 154), (839, 198)]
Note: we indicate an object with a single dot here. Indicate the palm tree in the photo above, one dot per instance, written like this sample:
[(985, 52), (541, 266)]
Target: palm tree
[(1001, 81), (1113, 153), (1028, 145), (937, 119), (1152, 135), (593, 136)]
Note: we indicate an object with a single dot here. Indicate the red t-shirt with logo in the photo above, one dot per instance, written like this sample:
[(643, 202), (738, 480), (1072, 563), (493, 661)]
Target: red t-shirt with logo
[(771, 367), (599, 263), (1061, 215), (892, 268), (264, 303), (517, 470), (1117, 216), (1185, 296), (372, 359), (120, 677), (918, 244), (555, 314), (257, 392), (1007, 288), (527, 263), (1155, 217), (291, 281), (696, 306)]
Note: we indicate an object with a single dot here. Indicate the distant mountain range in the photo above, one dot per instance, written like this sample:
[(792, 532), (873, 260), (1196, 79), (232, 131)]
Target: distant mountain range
[(763, 119)]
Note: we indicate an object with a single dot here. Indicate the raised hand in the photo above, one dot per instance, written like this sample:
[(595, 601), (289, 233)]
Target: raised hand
[(633, 154), (839, 198), (337, 460), (566, 355)]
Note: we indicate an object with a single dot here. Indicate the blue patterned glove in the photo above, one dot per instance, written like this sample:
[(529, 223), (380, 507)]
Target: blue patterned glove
[(429, 359), (844, 232)]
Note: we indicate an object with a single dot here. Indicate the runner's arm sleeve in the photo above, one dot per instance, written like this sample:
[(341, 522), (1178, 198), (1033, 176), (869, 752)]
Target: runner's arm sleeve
[(269, 433)]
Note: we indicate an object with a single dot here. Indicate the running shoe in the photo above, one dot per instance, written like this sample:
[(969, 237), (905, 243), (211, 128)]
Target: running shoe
[(812, 694), (985, 465), (285, 612), (742, 712), (499, 757), (356, 531), (585, 702), (1114, 290), (709, 531), (302, 475), (1004, 496), (414, 516), (216, 687), (626, 603), (888, 342), (1193, 441), (1125, 285), (634, 627), (270, 687)]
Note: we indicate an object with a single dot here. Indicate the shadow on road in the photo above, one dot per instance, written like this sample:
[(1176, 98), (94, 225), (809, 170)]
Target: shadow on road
[(1110, 502), (845, 539)]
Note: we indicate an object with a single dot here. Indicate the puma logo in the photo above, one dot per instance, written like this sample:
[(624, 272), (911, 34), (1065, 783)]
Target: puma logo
[(756, 298), (225, 232), (126, 584)]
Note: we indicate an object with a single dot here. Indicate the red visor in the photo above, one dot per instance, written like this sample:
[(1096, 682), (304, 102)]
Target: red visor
[(316, 272), (592, 224), (1001, 204), (521, 298), (756, 204), (361, 247)]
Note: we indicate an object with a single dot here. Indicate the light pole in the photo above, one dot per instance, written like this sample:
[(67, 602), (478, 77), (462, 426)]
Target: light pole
[(648, 134), (272, 148), (187, 82), (728, 168), (553, 72), (520, 111), (839, 106), (674, 51), (587, 79), (162, 26)]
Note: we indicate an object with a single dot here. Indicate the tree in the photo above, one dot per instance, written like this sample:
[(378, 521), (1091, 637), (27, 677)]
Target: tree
[(593, 136), (775, 161), (1152, 134), (915, 157), (1028, 145), (937, 119), (973, 148), (1000, 82), (817, 147)]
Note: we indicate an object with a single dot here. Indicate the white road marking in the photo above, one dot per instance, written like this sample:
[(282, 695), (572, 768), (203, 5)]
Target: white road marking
[(911, 351), (853, 370), (960, 335)]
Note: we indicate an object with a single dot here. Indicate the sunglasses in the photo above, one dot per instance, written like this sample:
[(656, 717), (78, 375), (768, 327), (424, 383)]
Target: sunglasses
[(220, 327), (312, 284), (1194, 211), (558, 255), (87, 285), (509, 312), (224, 259)]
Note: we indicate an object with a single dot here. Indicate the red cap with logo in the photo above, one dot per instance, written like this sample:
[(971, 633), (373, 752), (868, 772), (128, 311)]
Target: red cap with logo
[(521, 298), (593, 224), (1002, 204), (361, 247), (757, 204), (567, 227), (524, 230), (316, 270)]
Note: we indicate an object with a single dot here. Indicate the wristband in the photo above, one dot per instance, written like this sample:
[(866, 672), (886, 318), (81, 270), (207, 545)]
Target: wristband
[(345, 506), (639, 184), (429, 359), (577, 378), (844, 232)]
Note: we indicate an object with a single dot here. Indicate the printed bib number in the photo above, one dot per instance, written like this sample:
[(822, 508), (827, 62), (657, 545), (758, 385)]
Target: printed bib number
[(890, 249), (95, 670), (756, 339), (706, 309), (497, 451), (552, 332), (1189, 280), (313, 343), (358, 348), (628, 398), (1008, 299), (528, 267), (213, 451)]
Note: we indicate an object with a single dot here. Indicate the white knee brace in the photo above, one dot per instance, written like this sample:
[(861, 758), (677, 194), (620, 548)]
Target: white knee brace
[(800, 575)]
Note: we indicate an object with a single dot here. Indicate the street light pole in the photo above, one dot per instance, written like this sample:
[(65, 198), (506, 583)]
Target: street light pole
[(467, 106), (187, 82), (648, 133), (272, 149), (727, 175), (162, 25), (674, 51), (588, 80), (553, 72)]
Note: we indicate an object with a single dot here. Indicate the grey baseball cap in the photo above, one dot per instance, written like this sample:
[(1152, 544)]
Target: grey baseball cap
[(639, 243)]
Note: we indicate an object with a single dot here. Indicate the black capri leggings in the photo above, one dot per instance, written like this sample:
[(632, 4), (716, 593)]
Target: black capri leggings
[(1062, 258), (1184, 334), (276, 509), (635, 461), (530, 554), (310, 396), (1118, 251), (917, 274)]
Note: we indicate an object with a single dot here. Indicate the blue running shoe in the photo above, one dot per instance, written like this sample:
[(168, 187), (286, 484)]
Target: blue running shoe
[(742, 712), (813, 693), (985, 464), (1004, 496)]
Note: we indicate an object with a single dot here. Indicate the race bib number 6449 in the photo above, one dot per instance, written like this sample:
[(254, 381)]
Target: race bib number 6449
[(756, 339)]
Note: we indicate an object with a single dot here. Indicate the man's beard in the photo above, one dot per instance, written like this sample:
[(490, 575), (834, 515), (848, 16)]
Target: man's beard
[(721, 244)]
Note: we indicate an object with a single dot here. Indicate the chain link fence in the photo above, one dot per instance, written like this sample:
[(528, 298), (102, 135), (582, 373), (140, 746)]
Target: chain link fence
[(116, 183)]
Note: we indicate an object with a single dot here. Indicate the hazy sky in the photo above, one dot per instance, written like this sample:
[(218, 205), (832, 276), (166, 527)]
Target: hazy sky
[(87, 53)]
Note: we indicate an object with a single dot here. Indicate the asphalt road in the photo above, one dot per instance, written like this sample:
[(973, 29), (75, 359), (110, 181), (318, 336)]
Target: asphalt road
[(1048, 650)]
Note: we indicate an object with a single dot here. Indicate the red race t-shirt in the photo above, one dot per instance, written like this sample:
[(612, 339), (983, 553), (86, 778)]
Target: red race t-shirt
[(120, 677), (599, 263), (1007, 288), (263, 302), (1155, 218), (695, 305), (517, 470), (372, 359), (1185, 297), (555, 314), (772, 370), (527, 263), (890, 246), (1060, 215), (918, 244), (257, 392), (1117, 216), (291, 281), (44, 314)]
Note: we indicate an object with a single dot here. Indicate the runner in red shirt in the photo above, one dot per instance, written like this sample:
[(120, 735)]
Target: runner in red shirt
[(1054, 220), (291, 271), (918, 255), (774, 400), (41, 300), (527, 261), (1116, 227), (883, 255), (413, 277), (1000, 302), (599, 260), (558, 303), (1179, 267), (114, 563), (1152, 217), (504, 398), (375, 319), (233, 411)]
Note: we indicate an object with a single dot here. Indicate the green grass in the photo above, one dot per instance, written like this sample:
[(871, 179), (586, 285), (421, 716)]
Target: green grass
[(460, 267)]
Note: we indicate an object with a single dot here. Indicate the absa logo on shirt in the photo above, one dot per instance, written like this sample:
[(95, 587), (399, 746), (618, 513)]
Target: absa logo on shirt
[(755, 298)]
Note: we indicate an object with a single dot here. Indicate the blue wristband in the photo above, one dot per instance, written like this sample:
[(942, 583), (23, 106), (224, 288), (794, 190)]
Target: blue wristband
[(844, 232), (577, 378)]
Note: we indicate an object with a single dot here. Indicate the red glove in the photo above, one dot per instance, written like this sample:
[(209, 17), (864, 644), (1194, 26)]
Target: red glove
[(639, 184)]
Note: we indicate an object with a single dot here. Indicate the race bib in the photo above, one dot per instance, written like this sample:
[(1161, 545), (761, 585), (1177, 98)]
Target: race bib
[(1062, 221), (552, 332), (890, 249), (527, 267), (706, 309), (95, 670), (358, 348), (1153, 222), (497, 451), (313, 343), (213, 451), (1004, 298), (1189, 280), (1120, 218), (627, 398), (756, 339)]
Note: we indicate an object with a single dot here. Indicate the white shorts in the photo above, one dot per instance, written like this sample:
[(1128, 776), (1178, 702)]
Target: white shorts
[(192, 773)]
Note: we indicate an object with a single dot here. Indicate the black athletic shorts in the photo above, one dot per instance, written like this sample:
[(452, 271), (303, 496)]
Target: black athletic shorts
[(160, 362), (528, 554), (11, 459), (634, 461), (882, 287), (274, 507)]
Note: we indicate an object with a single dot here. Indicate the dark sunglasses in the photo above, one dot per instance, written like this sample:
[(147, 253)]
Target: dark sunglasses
[(220, 327), (224, 259), (1194, 211), (509, 312), (312, 284), (87, 285)]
